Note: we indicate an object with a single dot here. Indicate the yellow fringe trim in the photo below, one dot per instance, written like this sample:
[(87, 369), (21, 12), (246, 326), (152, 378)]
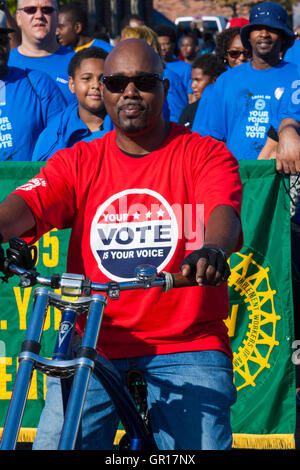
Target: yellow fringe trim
[(240, 441), (25, 434), (263, 441), (28, 435), (119, 434)]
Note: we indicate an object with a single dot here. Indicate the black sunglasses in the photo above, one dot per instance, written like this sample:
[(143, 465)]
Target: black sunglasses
[(144, 82), (32, 10), (235, 54)]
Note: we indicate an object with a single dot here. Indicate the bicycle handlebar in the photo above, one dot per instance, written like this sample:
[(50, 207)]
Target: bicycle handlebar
[(77, 285)]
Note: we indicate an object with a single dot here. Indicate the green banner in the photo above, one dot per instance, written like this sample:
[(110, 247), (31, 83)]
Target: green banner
[(260, 323), (261, 317)]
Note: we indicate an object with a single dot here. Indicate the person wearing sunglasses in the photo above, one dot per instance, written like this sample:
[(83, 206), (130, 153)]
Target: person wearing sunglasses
[(124, 197), (229, 48), (248, 96), (85, 120), (28, 101), (177, 98), (39, 49)]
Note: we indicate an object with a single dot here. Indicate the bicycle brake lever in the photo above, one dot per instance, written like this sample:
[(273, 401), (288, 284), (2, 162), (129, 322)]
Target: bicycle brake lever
[(113, 291)]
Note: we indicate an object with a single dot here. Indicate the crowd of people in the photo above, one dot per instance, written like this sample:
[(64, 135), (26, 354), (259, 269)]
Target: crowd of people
[(161, 120)]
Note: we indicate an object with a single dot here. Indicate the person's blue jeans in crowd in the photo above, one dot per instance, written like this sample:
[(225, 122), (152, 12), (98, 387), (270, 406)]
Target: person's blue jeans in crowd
[(189, 398)]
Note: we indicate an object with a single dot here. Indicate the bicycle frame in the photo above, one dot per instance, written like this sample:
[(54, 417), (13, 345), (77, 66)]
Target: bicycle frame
[(80, 368)]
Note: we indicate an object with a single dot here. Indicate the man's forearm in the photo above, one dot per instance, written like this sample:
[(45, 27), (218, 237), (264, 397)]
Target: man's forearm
[(15, 217), (288, 149), (289, 124), (223, 229)]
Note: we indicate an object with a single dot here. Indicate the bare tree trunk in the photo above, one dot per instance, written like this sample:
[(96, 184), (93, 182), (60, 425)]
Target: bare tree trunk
[(134, 7), (114, 17)]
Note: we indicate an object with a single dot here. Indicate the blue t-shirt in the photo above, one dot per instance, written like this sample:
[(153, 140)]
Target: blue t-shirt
[(292, 55), (177, 98), (65, 130), (55, 65), (102, 44), (28, 101), (184, 70), (240, 106)]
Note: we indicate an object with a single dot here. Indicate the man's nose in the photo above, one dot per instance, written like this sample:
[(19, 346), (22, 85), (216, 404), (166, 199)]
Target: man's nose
[(131, 89), (264, 32)]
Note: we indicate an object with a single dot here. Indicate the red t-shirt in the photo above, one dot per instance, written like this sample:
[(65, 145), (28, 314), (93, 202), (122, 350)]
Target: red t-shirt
[(127, 211)]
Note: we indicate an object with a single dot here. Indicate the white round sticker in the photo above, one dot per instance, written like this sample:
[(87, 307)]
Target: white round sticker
[(133, 227)]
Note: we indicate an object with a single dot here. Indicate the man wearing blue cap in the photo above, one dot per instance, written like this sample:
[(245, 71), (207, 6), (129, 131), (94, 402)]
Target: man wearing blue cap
[(249, 96)]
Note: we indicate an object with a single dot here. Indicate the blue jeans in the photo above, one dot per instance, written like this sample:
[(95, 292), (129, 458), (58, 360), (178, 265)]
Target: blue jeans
[(189, 399)]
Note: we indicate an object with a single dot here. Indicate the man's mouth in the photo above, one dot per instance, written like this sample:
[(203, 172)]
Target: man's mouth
[(265, 43), (95, 96), (131, 109)]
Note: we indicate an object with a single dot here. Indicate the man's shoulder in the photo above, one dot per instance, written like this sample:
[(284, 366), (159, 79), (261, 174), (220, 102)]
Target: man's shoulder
[(187, 137), (178, 64), (235, 73), (35, 78), (102, 44), (40, 80), (62, 53)]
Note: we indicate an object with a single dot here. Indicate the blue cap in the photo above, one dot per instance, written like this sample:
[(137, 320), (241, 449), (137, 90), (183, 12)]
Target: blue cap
[(271, 15)]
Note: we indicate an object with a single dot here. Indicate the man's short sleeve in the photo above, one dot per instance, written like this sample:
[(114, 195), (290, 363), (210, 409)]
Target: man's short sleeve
[(51, 194), (216, 177), (209, 118), (51, 98)]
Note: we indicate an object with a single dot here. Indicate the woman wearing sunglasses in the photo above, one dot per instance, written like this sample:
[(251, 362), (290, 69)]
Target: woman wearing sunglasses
[(229, 48)]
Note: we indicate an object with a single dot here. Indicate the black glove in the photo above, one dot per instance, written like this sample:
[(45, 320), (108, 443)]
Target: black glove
[(215, 257)]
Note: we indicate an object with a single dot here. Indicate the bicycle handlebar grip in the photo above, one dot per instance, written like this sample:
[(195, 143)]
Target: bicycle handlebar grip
[(182, 281)]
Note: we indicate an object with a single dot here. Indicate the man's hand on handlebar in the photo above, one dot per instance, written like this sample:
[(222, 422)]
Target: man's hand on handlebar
[(208, 264)]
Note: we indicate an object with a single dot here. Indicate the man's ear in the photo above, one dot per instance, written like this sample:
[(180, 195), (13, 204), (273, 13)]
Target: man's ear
[(71, 85), (18, 19), (101, 89), (77, 27), (166, 84)]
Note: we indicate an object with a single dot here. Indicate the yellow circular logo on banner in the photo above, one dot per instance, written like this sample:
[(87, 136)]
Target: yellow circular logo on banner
[(251, 282)]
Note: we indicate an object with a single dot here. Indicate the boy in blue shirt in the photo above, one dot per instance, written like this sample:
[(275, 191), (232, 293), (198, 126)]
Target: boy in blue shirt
[(87, 118)]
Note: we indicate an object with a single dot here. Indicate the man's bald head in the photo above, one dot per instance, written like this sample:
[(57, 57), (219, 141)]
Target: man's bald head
[(134, 109), (135, 53)]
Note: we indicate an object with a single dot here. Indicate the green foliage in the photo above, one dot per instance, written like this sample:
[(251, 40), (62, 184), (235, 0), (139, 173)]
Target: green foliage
[(12, 6)]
